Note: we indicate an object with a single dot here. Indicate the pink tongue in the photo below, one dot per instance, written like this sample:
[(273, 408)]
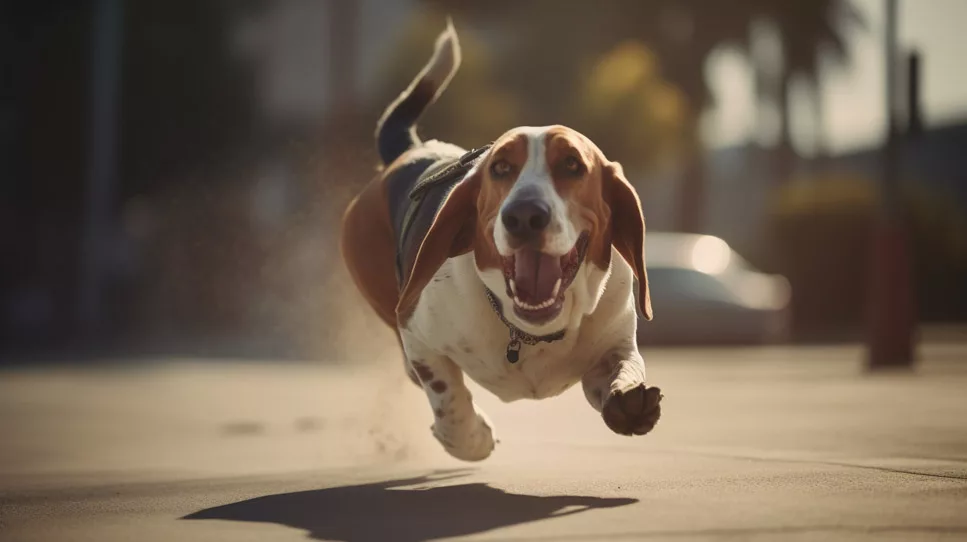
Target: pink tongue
[(535, 274)]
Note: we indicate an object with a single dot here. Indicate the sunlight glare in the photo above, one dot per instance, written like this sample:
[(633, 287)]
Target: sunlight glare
[(711, 255)]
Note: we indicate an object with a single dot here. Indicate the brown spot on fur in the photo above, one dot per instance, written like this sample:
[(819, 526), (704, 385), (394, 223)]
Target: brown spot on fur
[(439, 413), (438, 386), (369, 249), (422, 371), (466, 349)]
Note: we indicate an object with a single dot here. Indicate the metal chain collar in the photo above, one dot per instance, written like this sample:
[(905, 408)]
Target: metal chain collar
[(518, 336)]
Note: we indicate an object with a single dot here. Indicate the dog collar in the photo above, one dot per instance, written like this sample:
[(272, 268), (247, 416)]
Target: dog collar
[(517, 335)]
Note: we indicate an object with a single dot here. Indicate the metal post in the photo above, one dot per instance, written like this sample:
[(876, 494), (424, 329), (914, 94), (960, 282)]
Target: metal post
[(914, 120), (102, 160), (891, 161), (892, 304)]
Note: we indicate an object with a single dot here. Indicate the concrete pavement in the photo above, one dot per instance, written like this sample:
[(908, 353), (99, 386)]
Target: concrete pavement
[(754, 444)]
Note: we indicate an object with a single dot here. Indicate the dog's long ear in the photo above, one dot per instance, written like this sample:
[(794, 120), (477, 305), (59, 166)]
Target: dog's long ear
[(628, 228), (451, 234)]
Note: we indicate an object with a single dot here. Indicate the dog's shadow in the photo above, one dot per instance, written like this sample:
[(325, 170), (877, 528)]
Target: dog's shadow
[(386, 511)]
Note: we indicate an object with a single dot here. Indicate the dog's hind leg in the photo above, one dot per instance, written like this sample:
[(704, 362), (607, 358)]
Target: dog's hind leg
[(407, 366)]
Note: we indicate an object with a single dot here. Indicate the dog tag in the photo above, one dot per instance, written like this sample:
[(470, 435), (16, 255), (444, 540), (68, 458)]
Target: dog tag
[(513, 351)]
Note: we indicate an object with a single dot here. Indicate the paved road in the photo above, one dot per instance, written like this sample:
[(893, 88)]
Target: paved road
[(755, 444)]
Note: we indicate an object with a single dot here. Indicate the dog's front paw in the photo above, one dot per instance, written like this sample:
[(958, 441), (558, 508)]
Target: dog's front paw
[(632, 412), (473, 441)]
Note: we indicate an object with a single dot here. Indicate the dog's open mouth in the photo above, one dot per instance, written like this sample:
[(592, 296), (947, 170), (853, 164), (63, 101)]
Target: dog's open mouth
[(537, 281)]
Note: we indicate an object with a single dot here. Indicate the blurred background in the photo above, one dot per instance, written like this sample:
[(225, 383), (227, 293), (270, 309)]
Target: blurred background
[(173, 173)]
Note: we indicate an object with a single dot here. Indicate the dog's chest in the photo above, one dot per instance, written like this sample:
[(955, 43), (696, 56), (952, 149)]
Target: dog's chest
[(543, 370), (454, 319)]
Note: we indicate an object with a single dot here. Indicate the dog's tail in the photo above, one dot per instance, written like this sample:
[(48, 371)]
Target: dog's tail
[(396, 129)]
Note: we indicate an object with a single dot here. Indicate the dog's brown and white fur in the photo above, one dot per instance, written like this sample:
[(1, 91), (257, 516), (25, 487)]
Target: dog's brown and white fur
[(530, 197)]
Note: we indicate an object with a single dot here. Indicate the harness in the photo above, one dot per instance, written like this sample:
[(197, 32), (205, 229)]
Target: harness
[(422, 204)]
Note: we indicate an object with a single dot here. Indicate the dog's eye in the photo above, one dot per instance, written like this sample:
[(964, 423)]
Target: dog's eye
[(501, 168), (573, 165)]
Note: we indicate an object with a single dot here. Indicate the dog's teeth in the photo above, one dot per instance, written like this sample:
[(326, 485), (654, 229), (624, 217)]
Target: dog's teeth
[(533, 307), (513, 287), (557, 289)]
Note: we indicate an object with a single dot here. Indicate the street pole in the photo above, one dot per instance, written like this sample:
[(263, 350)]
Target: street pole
[(892, 302), (914, 119), (101, 161)]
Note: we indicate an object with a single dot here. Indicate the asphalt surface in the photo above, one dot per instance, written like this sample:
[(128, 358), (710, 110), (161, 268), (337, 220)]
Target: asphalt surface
[(754, 444)]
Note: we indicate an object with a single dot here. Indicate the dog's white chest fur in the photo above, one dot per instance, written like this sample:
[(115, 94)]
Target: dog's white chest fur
[(455, 319)]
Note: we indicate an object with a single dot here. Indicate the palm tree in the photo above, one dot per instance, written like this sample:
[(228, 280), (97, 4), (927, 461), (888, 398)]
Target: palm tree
[(683, 33), (689, 30), (808, 31)]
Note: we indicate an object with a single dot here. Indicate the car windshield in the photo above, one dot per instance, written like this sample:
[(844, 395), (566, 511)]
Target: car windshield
[(678, 282), (684, 251)]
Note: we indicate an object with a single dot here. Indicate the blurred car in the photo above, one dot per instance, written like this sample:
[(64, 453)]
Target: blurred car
[(703, 292)]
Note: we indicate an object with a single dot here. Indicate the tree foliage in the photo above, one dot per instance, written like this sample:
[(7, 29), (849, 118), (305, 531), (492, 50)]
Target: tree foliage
[(612, 91), (550, 47)]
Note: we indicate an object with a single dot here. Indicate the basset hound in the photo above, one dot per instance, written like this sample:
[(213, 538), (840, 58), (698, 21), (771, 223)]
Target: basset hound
[(514, 264)]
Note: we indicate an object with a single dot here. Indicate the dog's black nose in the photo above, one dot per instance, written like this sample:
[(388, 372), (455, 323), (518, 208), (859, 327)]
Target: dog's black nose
[(526, 218)]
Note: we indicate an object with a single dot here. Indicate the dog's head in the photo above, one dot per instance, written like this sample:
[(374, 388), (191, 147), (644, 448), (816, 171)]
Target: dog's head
[(541, 211)]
